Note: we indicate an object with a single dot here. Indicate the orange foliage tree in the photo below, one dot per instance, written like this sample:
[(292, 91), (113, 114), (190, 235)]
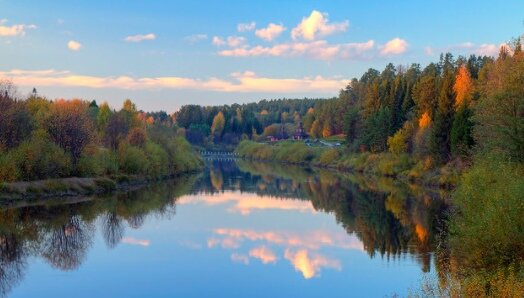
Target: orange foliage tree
[(463, 87)]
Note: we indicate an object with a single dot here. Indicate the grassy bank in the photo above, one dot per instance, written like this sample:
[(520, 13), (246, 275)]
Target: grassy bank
[(401, 166), (74, 186), (60, 187)]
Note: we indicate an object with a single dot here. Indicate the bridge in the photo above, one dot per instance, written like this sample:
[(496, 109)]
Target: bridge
[(218, 155)]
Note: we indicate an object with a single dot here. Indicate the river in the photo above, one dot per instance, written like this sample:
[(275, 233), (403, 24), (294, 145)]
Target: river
[(237, 229)]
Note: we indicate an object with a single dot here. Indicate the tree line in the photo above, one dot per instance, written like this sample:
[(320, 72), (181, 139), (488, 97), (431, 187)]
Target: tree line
[(230, 124), (40, 139)]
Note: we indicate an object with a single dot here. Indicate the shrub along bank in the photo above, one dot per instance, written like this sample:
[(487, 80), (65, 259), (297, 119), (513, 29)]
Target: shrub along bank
[(398, 165)]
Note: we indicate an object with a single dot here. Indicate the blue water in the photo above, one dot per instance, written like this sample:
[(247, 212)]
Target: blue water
[(220, 237)]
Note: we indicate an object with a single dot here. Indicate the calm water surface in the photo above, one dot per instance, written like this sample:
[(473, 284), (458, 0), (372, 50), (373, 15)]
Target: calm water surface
[(238, 229)]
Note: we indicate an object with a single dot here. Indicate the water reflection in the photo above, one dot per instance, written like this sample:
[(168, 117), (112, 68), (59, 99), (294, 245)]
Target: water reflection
[(300, 249), (61, 233), (379, 217)]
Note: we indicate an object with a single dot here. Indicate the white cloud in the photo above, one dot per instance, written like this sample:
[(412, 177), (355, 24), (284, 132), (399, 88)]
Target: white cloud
[(493, 50), (74, 45), (429, 51), (14, 30), (319, 49), (217, 41), (140, 37), (231, 41), (465, 45), (313, 239), (239, 82), (196, 38), (244, 27), (316, 25), (396, 46), (485, 49), (271, 32)]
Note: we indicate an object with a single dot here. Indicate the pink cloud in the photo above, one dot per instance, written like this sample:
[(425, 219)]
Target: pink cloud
[(134, 241), (271, 32), (310, 264), (264, 254), (245, 204), (316, 25), (14, 30), (237, 82)]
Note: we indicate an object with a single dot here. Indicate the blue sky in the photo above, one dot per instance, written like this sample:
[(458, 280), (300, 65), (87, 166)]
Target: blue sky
[(163, 54)]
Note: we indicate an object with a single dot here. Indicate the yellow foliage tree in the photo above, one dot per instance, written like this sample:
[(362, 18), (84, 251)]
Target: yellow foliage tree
[(397, 143), (315, 129), (218, 124)]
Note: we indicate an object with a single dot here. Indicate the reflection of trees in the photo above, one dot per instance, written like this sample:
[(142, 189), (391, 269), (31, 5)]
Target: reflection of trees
[(113, 229), (389, 217), (217, 180), (61, 232), (65, 246), (137, 220), (12, 262)]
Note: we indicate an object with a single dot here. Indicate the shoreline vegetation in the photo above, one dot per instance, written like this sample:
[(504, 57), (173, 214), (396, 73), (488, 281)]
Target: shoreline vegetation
[(400, 166), (69, 147)]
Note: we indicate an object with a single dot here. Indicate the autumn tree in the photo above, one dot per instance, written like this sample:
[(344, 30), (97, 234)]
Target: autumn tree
[(326, 129), (137, 137), (316, 129), (463, 87), (218, 125), (70, 126)]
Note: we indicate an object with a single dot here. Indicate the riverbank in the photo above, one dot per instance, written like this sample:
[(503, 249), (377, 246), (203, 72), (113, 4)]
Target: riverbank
[(105, 171), (400, 166), (72, 187)]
